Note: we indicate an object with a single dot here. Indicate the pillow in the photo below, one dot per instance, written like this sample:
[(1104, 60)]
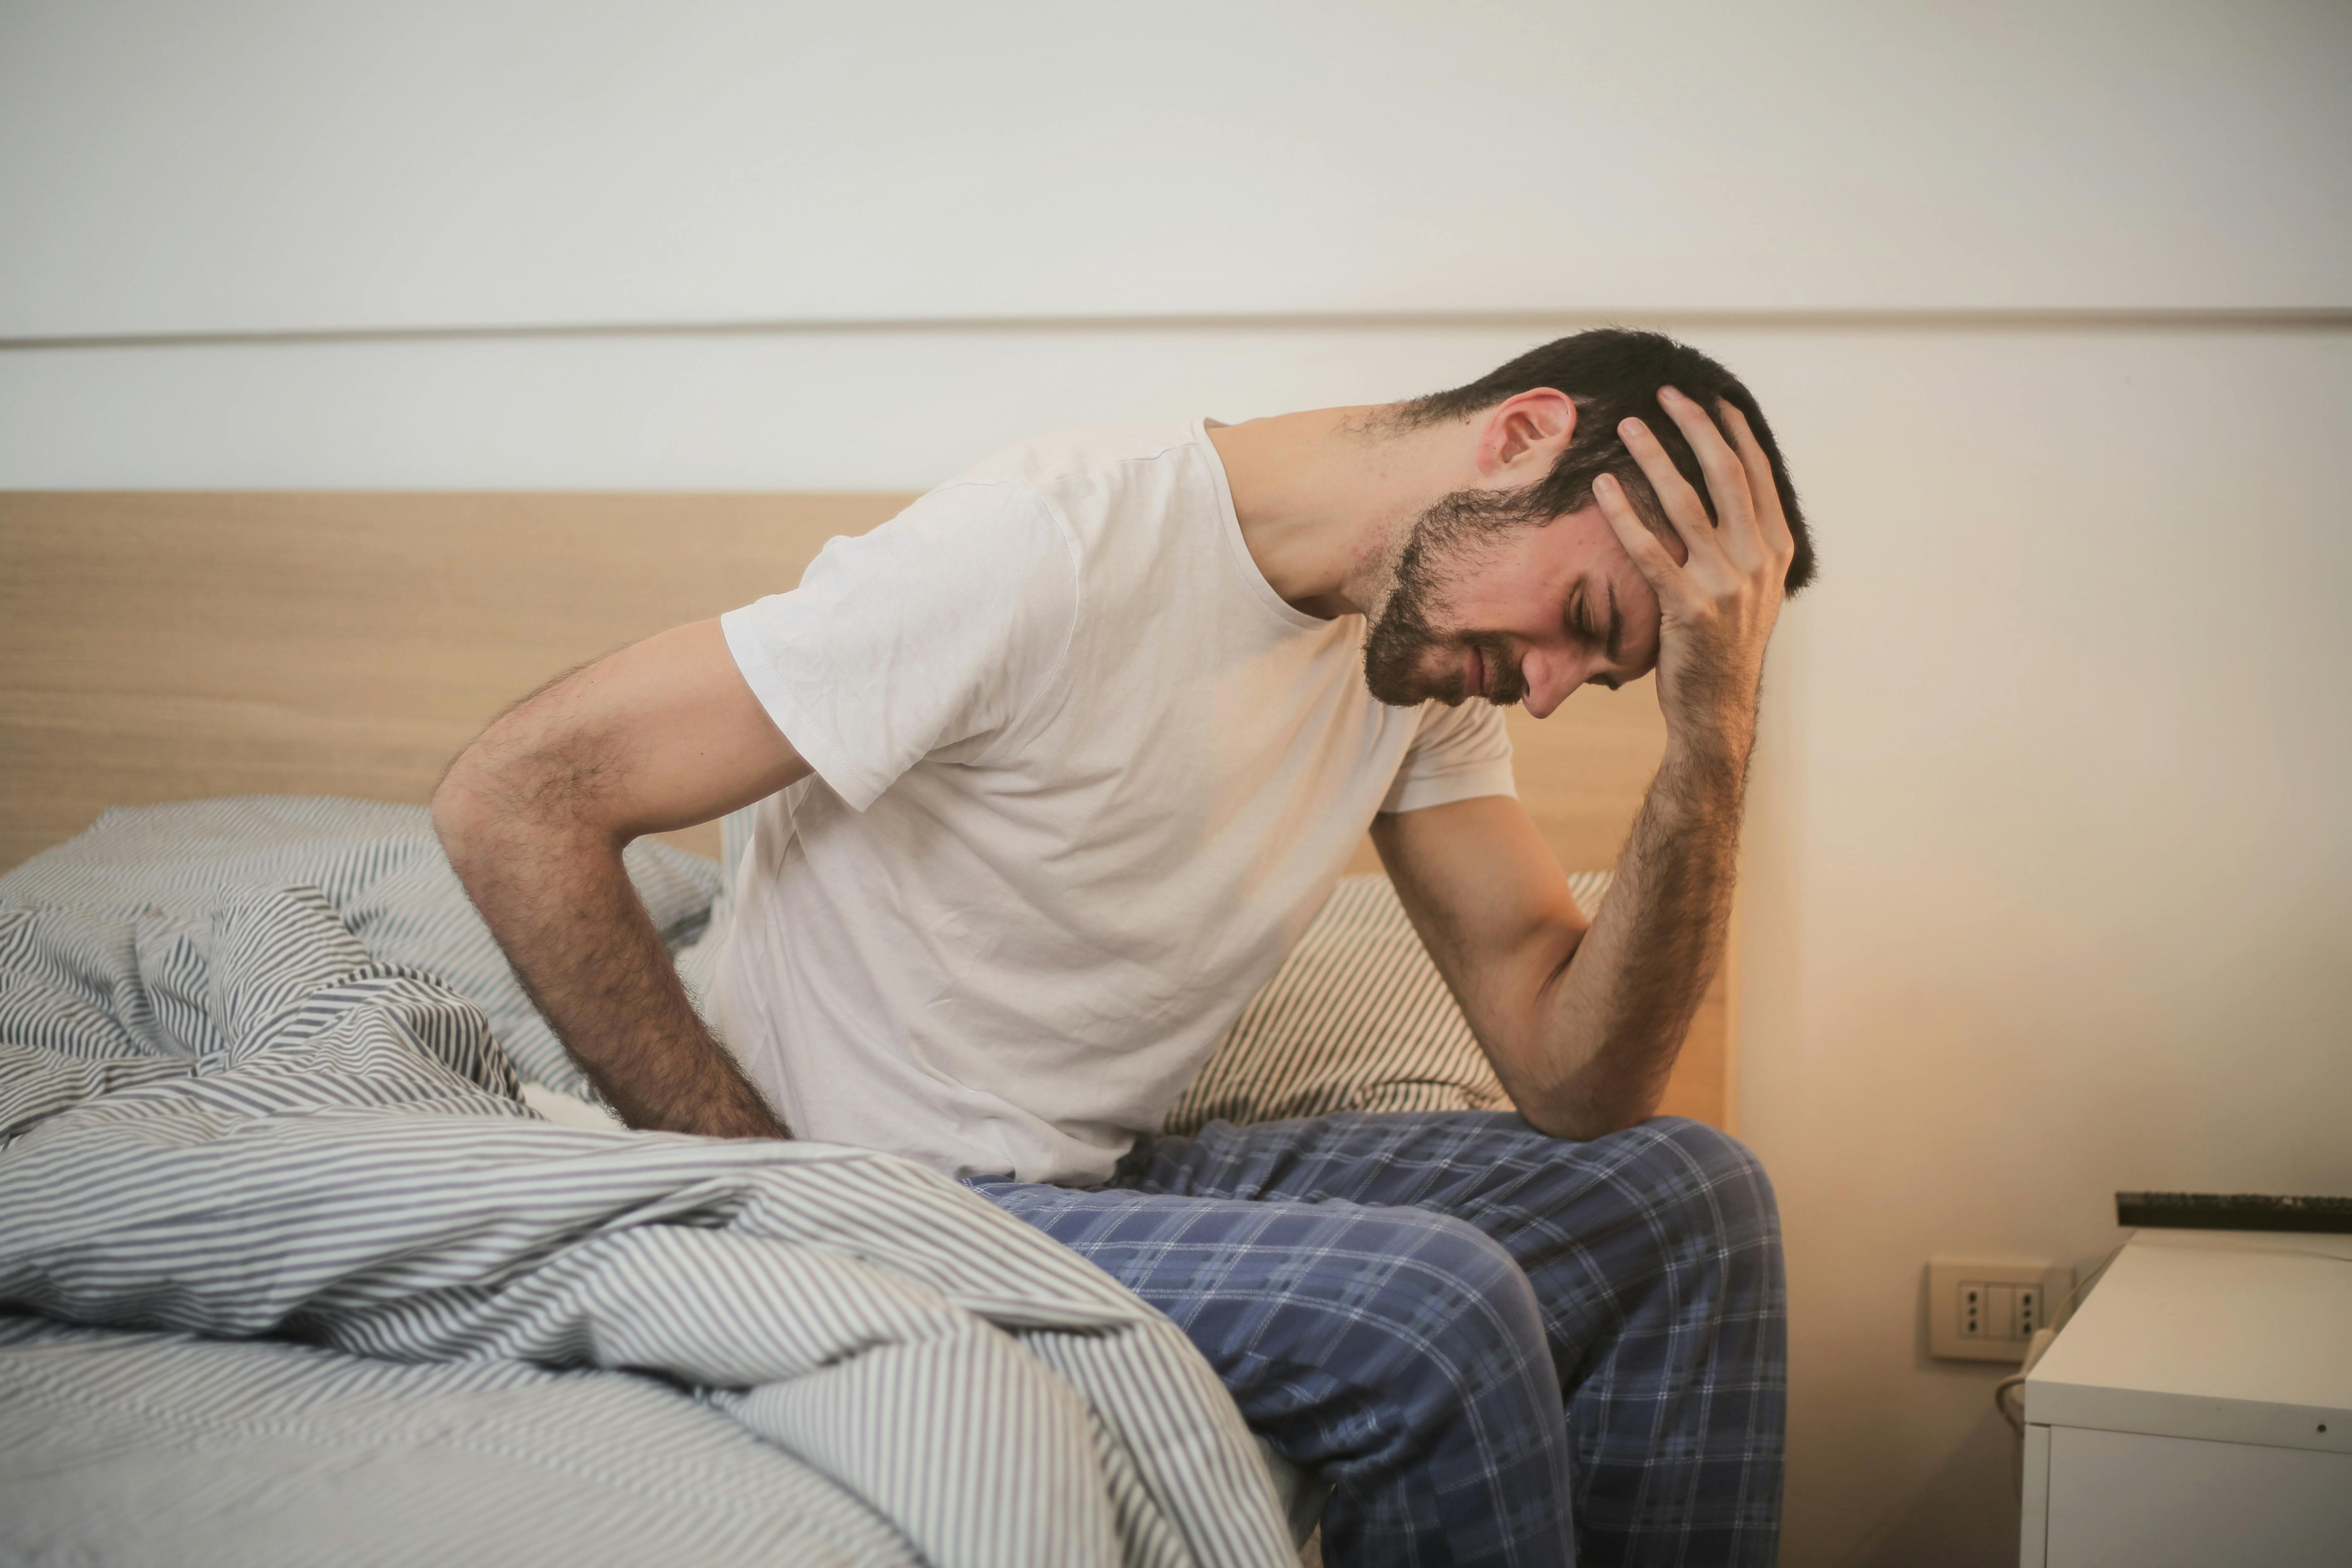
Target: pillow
[(1357, 1018)]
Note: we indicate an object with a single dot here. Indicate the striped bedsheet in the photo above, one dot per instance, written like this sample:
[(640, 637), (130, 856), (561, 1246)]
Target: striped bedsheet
[(381, 867), (288, 1273)]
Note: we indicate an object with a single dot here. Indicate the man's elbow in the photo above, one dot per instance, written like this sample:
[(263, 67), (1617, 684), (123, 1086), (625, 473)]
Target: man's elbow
[(505, 796), (462, 809), (494, 792), (1581, 1115)]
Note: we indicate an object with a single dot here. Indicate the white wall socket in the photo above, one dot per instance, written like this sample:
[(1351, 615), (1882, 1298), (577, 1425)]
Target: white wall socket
[(1986, 1308)]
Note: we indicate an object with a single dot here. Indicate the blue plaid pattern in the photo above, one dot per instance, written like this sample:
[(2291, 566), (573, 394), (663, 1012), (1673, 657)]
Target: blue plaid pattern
[(1406, 1302)]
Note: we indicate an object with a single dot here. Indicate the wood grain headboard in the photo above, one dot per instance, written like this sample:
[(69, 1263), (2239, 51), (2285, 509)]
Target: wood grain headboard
[(160, 646)]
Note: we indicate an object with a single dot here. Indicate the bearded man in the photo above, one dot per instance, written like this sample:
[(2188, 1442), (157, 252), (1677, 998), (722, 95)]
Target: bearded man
[(1054, 767)]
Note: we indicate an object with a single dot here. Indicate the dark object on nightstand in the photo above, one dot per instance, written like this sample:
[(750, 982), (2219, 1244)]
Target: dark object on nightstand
[(2235, 1211)]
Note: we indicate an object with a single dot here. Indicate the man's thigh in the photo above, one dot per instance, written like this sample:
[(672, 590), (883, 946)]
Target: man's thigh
[(1271, 1279), (1305, 1308), (1590, 1221), (1440, 1160)]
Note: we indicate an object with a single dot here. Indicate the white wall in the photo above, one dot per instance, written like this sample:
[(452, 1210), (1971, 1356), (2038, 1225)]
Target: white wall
[(2048, 857), (264, 163), (2050, 880)]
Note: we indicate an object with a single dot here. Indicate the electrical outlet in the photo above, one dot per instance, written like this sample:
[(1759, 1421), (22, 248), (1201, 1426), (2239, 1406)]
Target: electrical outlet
[(1986, 1308)]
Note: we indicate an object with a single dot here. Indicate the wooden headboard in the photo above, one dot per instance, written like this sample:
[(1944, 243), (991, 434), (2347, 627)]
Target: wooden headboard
[(160, 646)]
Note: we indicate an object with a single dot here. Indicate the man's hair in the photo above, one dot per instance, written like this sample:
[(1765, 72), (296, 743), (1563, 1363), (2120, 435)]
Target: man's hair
[(1614, 373)]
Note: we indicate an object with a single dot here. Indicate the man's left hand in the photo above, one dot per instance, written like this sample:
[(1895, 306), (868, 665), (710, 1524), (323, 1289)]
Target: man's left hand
[(1718, 605)]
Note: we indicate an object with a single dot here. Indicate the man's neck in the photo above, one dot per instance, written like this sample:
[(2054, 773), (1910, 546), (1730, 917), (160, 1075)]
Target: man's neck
[(1323, 496)]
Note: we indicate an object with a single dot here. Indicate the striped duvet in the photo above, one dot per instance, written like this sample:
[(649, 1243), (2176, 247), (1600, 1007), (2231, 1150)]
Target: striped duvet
[(288, 1275)]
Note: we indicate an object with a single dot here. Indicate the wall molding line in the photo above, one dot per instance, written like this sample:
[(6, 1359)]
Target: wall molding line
[(2052, 318)]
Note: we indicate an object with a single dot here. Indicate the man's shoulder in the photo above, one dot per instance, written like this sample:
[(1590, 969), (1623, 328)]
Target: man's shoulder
[(1106, 513), (1086, 460)]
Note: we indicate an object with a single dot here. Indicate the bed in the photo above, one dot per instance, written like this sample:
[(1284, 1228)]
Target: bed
[(296, 670)]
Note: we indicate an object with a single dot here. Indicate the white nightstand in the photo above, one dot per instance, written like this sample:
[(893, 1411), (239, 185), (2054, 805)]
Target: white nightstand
[(2198, 1409)]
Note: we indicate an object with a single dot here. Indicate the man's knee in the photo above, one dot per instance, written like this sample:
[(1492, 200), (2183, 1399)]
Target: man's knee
[(1464, 1271), (1697, 1216), (1714, 1179), (1450, 1300), (1670, 1184)]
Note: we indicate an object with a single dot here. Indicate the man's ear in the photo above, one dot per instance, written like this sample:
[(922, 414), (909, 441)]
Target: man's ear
[(1523, 437)]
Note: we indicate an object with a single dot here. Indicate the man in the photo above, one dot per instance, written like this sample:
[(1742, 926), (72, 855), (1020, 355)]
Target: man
[(1054, 766)]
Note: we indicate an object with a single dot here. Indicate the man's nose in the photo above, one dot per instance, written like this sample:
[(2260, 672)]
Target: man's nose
[(1551, 677)]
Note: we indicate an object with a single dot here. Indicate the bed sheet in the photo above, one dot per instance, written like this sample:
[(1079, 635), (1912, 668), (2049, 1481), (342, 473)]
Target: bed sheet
[(166, 1448), (284, 1255)]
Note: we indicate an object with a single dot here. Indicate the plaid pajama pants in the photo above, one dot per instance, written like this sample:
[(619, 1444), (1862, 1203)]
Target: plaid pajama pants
[(1408, 1304)]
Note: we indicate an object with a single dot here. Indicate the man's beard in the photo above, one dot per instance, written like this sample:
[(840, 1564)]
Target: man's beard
[(1444, 540)]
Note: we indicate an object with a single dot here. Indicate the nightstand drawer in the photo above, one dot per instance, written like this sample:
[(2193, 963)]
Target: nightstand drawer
[(2126, 1500)]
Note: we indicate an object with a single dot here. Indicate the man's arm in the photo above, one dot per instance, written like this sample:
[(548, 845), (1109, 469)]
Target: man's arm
[(1583, 1025), (535, 814)]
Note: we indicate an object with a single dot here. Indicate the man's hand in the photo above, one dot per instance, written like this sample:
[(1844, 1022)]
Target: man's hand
[(1718, 605)]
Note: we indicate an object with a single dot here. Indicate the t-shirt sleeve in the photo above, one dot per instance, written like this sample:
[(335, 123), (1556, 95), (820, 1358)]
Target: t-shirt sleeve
[(945, 625), (1458, 754)]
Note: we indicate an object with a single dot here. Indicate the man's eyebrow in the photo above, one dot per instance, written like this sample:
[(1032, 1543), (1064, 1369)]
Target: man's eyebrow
[(1616, 626)]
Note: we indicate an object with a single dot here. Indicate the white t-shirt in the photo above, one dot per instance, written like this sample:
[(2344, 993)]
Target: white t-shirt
[(1081, 780)]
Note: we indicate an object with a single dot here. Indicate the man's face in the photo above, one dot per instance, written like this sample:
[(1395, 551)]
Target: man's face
[(1510, 611)]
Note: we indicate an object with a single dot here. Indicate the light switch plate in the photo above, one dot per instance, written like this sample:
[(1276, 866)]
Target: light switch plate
[(1986, 1308)]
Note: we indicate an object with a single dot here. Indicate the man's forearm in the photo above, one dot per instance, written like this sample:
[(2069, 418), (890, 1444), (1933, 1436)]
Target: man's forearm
[(1614, 1016), (560, 904)]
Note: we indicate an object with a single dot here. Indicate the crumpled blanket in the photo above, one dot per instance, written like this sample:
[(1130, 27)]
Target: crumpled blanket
[(245, 1127)]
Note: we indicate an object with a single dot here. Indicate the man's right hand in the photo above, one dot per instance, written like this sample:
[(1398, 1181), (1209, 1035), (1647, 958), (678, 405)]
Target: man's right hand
[(534, 816)]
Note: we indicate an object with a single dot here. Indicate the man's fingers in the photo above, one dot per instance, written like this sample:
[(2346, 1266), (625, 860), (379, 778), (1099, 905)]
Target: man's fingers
[(1681, 502), (1727, 479), (1652, 558), (1770, 519)]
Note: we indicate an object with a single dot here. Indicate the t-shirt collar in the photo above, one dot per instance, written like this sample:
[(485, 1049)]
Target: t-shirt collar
[(1237, 548)]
